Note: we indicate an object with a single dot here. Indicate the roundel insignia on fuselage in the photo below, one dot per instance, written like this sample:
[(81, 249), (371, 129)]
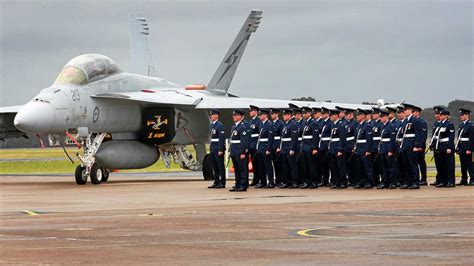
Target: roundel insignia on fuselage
[(95, 115)]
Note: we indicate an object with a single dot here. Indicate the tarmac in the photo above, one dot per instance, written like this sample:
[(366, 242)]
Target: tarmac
[(173, 218)]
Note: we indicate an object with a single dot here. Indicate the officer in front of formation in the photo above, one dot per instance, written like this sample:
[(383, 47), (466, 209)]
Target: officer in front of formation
[(287, 151), (350, 126), (309, 150), (255, 125), (465, 147), (363, 152), (217, 149), (336, 155), (277, 128), (323, 146), (386, 151), (410, 146), (264, 151), (445, 148), (239, 150)]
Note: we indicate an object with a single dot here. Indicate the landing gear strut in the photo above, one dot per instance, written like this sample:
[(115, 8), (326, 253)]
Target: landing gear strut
[(88, 167)]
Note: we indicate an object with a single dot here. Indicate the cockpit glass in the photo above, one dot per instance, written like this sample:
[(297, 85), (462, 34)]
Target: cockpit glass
[(87, 68), (71, 75)]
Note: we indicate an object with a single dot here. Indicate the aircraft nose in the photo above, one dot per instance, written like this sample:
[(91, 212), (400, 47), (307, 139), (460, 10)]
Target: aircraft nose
[(35, 117)]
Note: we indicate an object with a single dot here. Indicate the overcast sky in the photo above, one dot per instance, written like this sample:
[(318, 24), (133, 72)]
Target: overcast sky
[(345, 51)]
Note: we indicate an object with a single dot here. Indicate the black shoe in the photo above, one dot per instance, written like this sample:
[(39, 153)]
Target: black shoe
[(342, 187), (434, 184), (220, 186), (253, 184), (304, 186), (323, 184), (358, 186), (462, 183), (213, 185), (294, 186), (404, 186), (368, 186), (450, 185), (381, 186), (471, 183), (441, 185), (260, 186), (233, 189), (240, 189), (414, 187), (313, 186), (392, 186), (333, 187), (271, 185), (423, 183)]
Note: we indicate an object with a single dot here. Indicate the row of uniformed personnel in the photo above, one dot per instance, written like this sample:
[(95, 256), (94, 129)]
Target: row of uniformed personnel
[(314, 147)]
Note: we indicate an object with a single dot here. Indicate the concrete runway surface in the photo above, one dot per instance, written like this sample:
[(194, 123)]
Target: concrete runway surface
[(169, 219)]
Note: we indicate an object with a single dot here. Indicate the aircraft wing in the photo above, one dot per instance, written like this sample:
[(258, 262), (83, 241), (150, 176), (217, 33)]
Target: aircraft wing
[(160, 97), (232, 103)]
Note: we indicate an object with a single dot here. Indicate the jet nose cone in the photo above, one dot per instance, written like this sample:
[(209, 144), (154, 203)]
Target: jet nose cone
[(35, 117)]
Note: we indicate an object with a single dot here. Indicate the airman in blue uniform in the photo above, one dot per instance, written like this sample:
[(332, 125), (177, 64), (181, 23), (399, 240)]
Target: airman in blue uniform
[(401, 168), (422, 145), (386, 152), (277, 128), (433, 140), (445, 148), (465, 147), (217, 149), (255, 125), (309, 150), (300, 122), (376, 129), (324, 139), (410, 146), (337, 145), (288, 149), (264, 151), (363, 151), (239, 149), (350, 126)]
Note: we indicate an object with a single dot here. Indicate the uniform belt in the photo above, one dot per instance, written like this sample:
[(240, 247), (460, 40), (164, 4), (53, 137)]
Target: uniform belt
[(464, 139), (444, 140), (326, 139), (361, 141), (214, 140), (399, 139), (409, 135), (254, 135), (377, 138), (385, 140), (235, 141), (350, 138), (335, 139), (300, 139), (277, 138), (263, 140), (308, 137), (286, 139)]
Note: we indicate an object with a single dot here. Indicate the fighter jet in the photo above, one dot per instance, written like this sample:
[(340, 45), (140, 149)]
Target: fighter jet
[(126, 120)]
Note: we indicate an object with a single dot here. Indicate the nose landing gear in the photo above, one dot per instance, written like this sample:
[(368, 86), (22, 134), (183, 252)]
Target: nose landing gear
[(88, 167)]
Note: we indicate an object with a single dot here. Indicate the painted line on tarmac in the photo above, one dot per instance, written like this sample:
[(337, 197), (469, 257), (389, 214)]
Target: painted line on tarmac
[(29, 212)]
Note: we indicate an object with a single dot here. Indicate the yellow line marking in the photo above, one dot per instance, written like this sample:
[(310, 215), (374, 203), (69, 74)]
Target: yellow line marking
[(305, 232), (30, 212)]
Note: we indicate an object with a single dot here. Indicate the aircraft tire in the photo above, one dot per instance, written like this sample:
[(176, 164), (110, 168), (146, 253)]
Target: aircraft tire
[(105, 175), (207, 171), (81, 178), (96, 174)]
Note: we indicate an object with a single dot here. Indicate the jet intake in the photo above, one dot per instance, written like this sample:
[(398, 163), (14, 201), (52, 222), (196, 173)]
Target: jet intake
[(126, 154)]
